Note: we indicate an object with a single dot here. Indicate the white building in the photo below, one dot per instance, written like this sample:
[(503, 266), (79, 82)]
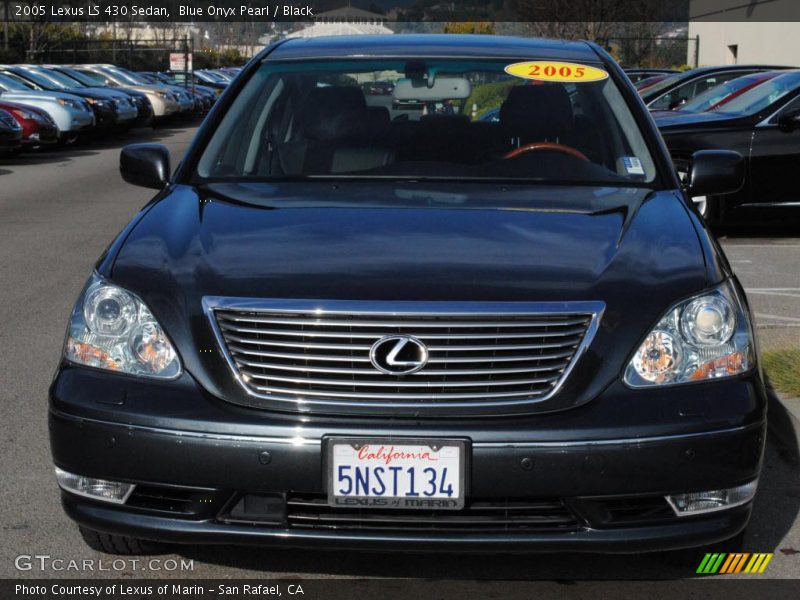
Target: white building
[(344, 21), (739, 32)]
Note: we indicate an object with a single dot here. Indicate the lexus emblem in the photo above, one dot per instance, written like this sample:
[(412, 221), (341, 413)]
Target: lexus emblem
[(398, 355)]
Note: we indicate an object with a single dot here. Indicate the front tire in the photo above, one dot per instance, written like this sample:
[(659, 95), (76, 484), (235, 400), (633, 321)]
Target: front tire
[(121, 545)]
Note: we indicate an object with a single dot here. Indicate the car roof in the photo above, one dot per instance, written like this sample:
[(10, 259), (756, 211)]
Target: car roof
[(726, 68), (431, 45)]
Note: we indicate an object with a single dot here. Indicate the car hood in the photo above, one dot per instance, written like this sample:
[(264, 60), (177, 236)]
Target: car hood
[(634, 250), (102, 93), (38, 95), (26, 107), (145, 88)]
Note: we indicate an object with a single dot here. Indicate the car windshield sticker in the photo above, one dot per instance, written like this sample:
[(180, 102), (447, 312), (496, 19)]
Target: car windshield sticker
[(633, 166), (545, 70)]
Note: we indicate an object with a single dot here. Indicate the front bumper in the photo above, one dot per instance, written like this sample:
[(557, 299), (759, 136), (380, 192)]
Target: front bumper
[(126, 115), (120, 429), (10, 140), (79, 121), (46, 134)]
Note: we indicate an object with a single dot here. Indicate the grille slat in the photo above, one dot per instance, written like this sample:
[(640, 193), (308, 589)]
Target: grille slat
[(313, 512), (389, 396), (473, 357), (432, 360), (361, 348), (421, 336), (393, 384), (299, 321), (374, 373)]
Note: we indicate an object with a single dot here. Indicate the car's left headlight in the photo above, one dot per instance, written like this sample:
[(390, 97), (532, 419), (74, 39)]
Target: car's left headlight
[(704, 337), (111, 328)]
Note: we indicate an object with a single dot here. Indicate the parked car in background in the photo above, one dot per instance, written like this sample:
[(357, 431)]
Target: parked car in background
[(763, 125), (333, 327), (218, 74), (110, 108), (637, 74), (648, 82), (199, 78), (144, 115), (185, 101), (179, 94), (380, 88), (10, 133), (231, 71), (203, 99), (38, 127), (677, 89), (72, 114), (164, 102), (720, 95)]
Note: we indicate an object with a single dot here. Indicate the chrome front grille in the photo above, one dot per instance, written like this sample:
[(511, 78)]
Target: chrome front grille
[(318, 353)]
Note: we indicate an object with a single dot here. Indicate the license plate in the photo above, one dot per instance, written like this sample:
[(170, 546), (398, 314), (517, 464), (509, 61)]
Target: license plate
[(398, 473)]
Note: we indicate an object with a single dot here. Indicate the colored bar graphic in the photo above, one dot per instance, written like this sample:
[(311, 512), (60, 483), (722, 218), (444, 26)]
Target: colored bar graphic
[(723, 563)]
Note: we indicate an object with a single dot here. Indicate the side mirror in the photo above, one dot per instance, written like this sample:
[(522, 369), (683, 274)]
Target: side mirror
[(715, 172), (146, 165), (790, 120)]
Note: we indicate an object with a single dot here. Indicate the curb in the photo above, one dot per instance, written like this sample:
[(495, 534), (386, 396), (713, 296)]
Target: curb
[(784, 423)]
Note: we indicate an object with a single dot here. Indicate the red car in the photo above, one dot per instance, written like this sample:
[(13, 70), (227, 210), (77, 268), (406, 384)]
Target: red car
[(38, 128)]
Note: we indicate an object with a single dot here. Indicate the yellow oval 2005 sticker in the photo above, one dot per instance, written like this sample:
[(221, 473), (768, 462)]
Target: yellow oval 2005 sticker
[(545, 70)]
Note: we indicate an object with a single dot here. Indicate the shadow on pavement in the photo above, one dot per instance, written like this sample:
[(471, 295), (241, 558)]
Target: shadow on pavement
[(93, 144)]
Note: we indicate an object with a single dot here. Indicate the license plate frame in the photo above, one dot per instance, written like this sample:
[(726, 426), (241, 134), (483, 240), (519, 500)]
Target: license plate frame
[(419, 502)]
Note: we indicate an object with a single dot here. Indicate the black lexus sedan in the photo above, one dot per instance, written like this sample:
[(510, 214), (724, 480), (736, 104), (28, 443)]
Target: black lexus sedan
[(340, 324), (763, 125), (677, 89), (637, 74)]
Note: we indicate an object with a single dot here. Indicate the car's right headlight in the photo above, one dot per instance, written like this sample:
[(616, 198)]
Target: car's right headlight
[(69, 103), (701, 338), (111, 328)]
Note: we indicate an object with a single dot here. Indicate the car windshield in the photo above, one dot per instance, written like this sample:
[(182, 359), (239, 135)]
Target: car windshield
[(211, 76), (328, 119), (86, 78), (664, 83), (10, 84), (42, 80), (762, 96), (125, 76), (716, 94), (62, 79)]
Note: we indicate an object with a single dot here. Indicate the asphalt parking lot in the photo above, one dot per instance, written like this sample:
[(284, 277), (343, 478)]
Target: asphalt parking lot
[(59, 210)]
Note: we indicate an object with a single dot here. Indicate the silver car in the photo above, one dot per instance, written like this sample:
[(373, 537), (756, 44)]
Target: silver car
[(72, 114)]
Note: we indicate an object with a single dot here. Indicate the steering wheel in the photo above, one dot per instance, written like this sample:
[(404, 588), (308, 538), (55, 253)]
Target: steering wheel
[(551, 146)]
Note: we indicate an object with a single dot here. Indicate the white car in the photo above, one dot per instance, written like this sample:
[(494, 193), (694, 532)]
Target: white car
[(71, 113)]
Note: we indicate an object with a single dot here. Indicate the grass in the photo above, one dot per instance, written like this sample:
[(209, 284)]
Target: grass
[(783, 370)]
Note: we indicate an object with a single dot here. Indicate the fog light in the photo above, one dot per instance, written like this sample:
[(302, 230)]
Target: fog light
[(96, 489), (697, 503)]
